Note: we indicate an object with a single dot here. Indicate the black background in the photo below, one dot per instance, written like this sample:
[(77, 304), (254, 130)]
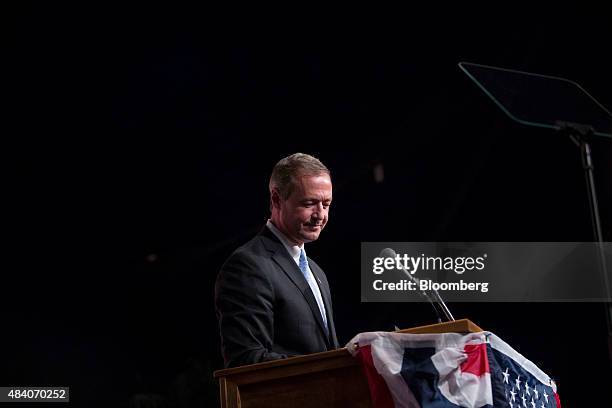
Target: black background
[(138, 144)]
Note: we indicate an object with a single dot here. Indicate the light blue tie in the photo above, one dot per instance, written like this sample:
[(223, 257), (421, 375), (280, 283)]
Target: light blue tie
[(313, 286), (303, 263)]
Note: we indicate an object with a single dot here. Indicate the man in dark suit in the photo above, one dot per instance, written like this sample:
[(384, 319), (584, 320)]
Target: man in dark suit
[(272, 301)]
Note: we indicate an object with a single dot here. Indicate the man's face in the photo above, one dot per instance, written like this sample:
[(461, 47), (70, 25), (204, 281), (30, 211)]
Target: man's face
[(304, 214)]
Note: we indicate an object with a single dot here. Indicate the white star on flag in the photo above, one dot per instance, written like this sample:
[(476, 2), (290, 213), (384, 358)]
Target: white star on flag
[(506, 375), (513, 395)]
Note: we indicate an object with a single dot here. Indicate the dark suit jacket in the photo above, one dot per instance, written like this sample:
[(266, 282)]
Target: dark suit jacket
[(265, 307)]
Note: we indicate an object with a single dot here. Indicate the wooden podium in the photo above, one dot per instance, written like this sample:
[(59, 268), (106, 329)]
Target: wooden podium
[(328, 379)]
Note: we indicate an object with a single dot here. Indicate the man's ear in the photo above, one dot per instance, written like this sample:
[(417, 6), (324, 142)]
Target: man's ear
[(275, 199)]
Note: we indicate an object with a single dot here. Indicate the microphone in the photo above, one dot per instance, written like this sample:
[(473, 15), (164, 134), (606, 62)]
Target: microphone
[(389, 253), (434, 297)]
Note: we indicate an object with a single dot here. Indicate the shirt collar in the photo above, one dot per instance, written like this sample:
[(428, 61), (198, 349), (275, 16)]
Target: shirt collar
[(294, 250)]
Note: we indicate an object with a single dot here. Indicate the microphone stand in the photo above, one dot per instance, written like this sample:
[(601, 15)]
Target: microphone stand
[(436, 302)]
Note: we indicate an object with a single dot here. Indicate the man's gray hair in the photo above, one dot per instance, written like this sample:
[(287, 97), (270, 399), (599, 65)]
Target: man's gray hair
[(288, 169)]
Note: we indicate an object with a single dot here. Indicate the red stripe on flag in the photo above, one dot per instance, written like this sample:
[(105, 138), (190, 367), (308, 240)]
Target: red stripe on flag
[(477, 362), (558, 400), (379, 391)]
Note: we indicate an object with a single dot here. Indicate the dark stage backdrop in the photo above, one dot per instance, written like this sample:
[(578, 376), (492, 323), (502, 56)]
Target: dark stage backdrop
[(139, 144)]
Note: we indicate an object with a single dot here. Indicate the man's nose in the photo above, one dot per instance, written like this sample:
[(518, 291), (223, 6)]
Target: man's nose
[(319, 211)]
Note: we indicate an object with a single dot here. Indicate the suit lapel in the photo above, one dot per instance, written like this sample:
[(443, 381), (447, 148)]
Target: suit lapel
[(325, 294), (288, 265)]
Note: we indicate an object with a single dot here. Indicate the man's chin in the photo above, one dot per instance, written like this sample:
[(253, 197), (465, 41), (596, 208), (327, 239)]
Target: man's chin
[(310, 236)]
